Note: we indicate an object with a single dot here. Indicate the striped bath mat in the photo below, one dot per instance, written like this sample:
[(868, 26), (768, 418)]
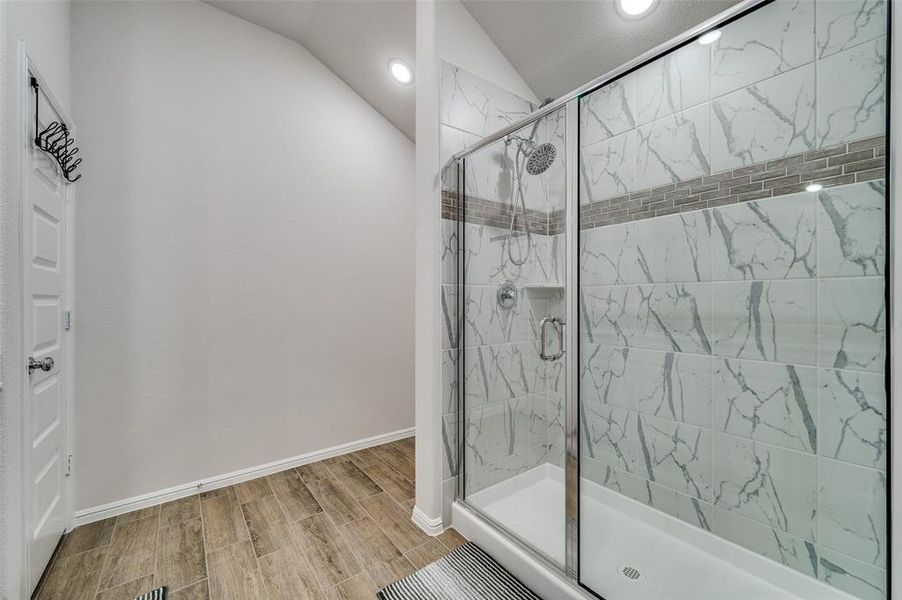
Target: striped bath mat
[(467, 573), (157, 594)]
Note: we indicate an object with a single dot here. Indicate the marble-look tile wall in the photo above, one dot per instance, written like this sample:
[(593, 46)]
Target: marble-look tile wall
[(732, 374), (732, 357), (745, 99), (513, 399)]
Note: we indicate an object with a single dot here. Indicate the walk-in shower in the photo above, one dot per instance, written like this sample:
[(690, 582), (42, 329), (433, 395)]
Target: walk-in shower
[(684, 395)]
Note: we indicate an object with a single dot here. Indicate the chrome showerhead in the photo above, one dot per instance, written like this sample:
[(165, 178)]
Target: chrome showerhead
[(539, 158)]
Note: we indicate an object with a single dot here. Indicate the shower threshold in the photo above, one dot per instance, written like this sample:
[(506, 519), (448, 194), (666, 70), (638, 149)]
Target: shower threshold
[(629, 550)]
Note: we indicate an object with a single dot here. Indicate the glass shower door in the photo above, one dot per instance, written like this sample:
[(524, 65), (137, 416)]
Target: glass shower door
[(732, 401), (512, 359)]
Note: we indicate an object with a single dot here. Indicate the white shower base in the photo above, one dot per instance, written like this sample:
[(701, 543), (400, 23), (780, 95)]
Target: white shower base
[(676, 560)]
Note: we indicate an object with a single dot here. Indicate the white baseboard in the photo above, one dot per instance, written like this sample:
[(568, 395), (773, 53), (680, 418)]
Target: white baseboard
[(119, 507), (432, 527)]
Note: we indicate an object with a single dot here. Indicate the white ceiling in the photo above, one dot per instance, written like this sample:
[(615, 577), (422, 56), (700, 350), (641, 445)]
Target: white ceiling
[(356, 39), (558, 46)]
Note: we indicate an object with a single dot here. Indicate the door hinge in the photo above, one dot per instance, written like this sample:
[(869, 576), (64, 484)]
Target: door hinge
[(69, 458), (67, 320)]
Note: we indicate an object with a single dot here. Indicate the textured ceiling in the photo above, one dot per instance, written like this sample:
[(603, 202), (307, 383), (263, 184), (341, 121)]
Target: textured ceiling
[(355, 39), (558, 46)]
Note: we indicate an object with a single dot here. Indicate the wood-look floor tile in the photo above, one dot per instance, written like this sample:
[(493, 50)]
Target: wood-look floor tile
[(394, 484), (289, 575), (347, 552), (215, 493), (452, 539), (407, 446), (195, 591), (370, 543), (223, 521), (356, 481), (363, 458), (428, 553), (378, 555), (326, 549), (253, 489), (136, 515), (128, 591), (87, 537), (266, 524), (336, 459), (74, 577), (397, 460), (295, 498), (394, 521), (234, 574), (358, 587), (132, 552), (179, 511), (333, 497), (281, 474), (180, 555), (384, 573), (317, 470), (408, 505)]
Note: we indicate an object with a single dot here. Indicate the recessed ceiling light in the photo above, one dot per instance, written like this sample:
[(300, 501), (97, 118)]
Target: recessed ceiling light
[(635, 8), (814, 187), (710, 37), (400, 71)]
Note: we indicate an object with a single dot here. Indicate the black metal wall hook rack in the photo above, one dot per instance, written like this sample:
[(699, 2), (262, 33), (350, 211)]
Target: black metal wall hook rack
[(56, 140)]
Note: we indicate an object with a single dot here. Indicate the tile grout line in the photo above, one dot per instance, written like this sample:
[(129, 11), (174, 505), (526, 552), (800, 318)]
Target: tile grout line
[(106, 559), (203, 536)]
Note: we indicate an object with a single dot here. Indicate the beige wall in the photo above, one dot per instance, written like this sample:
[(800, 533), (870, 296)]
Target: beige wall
[(244, 256)]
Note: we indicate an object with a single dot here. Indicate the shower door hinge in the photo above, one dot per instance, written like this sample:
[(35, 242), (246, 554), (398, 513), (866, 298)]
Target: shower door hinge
[(67, 320)]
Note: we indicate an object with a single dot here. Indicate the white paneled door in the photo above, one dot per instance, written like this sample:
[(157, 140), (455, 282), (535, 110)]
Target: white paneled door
[(45, 245)]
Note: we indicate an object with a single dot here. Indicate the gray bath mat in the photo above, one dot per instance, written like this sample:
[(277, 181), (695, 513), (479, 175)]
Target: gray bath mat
[(467, 573), (157, 594)]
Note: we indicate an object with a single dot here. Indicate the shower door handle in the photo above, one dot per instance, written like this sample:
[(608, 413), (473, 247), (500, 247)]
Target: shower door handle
[(559, 325)]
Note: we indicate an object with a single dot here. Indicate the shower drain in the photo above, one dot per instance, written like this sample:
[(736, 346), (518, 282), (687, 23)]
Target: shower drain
[(629, 572)]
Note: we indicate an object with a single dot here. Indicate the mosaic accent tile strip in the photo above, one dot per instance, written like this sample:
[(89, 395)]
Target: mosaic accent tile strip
[(854, 162), (862, 160), (494, 214)]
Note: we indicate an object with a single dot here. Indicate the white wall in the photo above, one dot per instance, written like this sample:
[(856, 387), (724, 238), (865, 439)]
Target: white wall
[(245, 251), (463, 42), (445, 31), (44, 28)]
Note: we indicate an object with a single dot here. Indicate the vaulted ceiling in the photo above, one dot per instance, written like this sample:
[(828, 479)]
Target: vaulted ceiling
[(556, 45), (356, 39)]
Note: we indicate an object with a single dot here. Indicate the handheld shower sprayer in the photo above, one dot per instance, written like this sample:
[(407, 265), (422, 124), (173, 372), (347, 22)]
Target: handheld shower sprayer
[(537, 158)]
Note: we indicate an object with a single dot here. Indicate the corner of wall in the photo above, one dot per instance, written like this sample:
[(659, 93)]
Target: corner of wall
[(428, 258), (462, 41)]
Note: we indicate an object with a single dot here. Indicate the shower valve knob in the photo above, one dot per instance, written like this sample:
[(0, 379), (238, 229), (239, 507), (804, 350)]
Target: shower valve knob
[(507, 294)]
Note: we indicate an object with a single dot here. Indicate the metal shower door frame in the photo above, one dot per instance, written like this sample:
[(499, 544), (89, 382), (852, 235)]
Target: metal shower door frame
[(570, 103), (571, 441)]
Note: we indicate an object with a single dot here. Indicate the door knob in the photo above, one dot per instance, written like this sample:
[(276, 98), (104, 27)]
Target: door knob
[(44, 365)]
